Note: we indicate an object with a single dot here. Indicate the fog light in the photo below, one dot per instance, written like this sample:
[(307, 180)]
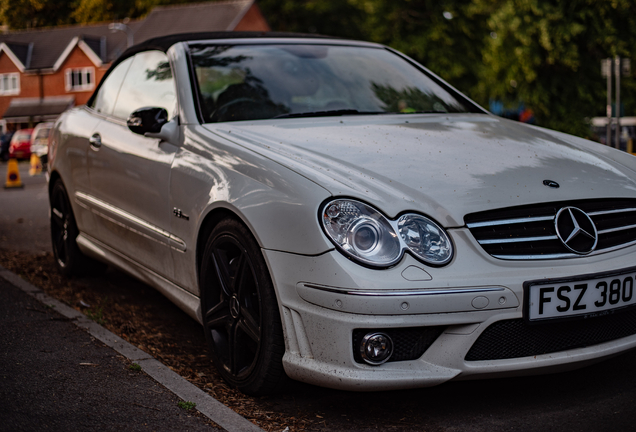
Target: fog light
[(376, 348)]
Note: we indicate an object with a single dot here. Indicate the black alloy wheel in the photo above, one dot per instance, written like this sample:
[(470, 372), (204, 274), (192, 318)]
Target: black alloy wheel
[(68, 257), (240, 313)]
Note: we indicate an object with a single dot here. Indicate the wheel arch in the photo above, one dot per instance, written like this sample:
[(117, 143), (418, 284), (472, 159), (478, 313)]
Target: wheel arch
[(210, 220), (53, 177)]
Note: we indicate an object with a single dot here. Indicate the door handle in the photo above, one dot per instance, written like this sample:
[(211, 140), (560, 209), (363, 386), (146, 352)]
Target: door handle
[(95, 141)]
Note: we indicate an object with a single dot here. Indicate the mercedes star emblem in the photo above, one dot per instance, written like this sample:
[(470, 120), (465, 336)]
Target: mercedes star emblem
[(576, 230)]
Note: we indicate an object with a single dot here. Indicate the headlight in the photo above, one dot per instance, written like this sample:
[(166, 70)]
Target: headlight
[(365, 235), (425, 239), (361, 232)]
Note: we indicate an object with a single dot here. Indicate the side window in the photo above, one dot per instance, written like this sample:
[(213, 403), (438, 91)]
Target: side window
[(149, 83), (105, 100)]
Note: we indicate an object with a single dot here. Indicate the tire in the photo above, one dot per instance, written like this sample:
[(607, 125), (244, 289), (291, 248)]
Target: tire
[(240, 313), (68, 257)]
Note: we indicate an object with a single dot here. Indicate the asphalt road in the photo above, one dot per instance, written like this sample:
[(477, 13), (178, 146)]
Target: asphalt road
[(55, 376), (601, 397), (24, 213)]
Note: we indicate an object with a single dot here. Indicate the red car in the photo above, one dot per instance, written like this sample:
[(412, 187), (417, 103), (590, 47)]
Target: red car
[(20, 147)]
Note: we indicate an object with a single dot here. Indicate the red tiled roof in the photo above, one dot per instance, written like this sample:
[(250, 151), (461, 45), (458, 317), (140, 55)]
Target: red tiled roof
[(43, 48)]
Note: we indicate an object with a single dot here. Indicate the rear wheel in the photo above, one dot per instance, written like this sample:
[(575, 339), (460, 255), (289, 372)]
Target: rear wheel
[(240, 312), (69, 259)]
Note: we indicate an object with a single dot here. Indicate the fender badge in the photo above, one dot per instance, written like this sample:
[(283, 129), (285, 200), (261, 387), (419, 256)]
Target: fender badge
[(551, 183), (178, 213)]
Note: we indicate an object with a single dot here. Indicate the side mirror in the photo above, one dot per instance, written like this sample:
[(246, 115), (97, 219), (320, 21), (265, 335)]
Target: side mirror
[(147, 120)]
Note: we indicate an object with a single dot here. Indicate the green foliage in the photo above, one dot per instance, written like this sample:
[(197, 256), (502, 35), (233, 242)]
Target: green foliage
[(548, 54), (24, 14), (329, 17), (85, 11), (135, 367), (18, 14), (445, 36), (187, 405), (98, 10), (97, 315)]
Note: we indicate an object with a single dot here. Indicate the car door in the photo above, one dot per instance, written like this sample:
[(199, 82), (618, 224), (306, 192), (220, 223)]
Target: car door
[(129, 174)]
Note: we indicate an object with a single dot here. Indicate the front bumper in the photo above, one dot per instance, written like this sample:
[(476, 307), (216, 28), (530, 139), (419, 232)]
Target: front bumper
[(323, 299)]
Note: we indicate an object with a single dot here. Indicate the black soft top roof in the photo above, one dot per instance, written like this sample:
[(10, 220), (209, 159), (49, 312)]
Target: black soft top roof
[(163, 43)]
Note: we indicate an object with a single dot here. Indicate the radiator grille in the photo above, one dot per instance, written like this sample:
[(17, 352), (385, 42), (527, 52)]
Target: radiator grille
[(529, 233)]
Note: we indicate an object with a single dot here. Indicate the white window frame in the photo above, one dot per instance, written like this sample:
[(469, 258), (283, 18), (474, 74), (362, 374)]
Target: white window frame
[(84, 73), (13, 79)]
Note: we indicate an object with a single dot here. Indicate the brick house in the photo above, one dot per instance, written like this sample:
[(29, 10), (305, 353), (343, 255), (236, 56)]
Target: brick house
[(45, 71)]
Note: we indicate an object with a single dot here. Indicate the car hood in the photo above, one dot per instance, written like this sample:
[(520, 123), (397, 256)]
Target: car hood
[(445, 166)]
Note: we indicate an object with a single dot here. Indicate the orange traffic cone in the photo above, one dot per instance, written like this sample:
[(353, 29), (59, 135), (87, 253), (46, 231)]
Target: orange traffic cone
[(13, 175), (36, 165)]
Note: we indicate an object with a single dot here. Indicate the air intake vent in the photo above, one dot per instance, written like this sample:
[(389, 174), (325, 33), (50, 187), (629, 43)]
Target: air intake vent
[(514, 338), (529, 233)]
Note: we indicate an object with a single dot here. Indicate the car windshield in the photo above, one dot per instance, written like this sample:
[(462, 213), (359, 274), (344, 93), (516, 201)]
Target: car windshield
[(43, 133), (249, 82)]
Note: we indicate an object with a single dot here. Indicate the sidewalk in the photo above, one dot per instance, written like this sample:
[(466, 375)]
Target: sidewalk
[(56, 376)]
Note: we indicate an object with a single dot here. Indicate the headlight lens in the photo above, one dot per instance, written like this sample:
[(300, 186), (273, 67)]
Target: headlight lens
[(361, 232), (425, 239), (364, 234)]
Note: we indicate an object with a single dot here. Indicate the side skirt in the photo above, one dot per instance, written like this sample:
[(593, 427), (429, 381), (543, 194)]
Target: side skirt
[(185, 300)]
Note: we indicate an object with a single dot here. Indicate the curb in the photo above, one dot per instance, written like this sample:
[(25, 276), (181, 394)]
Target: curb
[(205, 404)]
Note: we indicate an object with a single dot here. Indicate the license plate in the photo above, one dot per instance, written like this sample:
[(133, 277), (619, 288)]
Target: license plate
[(589, 295)]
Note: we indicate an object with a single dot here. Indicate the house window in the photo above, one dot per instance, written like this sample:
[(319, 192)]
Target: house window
[(9, 83), (80, 79)]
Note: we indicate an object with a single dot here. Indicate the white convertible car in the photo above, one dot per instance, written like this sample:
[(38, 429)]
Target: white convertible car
[(333, 212)]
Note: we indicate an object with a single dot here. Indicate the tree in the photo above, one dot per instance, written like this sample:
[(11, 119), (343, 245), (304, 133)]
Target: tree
[(445, 36), (25, 14), (547, 54), (19, 14), (328, 17), (86, 11)]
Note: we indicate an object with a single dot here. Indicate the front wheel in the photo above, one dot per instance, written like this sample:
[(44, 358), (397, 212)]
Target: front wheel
[(240, 313)]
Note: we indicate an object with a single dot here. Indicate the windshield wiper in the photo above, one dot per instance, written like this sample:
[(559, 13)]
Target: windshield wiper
[(343, 112), (332, 113), (429, 112), (418, 112)]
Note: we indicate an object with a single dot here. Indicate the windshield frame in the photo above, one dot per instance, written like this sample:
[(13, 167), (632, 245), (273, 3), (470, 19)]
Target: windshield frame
[(471, 106)]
